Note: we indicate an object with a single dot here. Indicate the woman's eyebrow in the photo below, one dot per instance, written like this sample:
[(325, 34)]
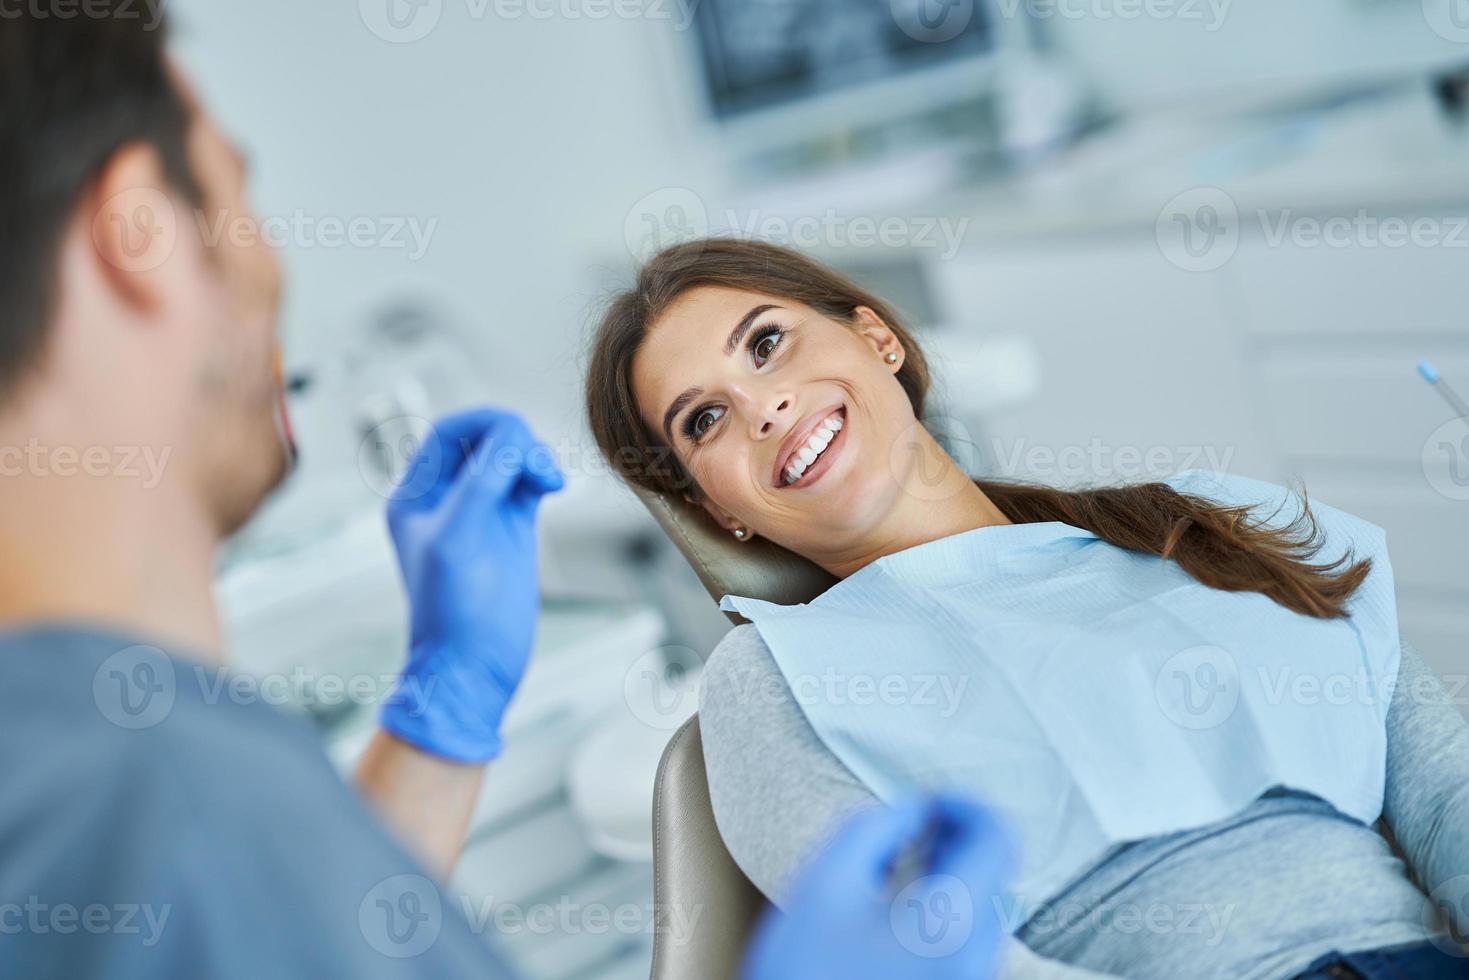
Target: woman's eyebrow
[(733, 341), (743, 327), (678, 406)]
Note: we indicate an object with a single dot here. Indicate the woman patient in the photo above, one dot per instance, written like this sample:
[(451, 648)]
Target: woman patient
[(785, 401)]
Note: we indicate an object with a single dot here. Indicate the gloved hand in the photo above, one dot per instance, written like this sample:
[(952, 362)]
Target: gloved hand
[(463, 522), (843, 919)]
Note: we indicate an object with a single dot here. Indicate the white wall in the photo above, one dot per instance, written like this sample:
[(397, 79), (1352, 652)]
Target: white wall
[(1139, 60), (528, 140)]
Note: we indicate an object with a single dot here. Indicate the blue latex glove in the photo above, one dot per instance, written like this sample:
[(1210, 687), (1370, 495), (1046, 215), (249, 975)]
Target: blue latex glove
[(463, 522), (844, 919)]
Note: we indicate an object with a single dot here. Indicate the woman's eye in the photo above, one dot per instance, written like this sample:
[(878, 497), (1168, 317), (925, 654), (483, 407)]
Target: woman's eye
[(704, 420), (765, 345)]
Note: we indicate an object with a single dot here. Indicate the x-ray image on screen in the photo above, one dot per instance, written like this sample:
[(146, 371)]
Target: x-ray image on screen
[(763, 53)]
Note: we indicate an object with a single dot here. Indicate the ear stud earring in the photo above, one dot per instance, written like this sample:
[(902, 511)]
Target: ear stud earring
[(740, 533), (892, 357)]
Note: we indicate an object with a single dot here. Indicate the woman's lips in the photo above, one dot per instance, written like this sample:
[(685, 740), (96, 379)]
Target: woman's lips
[(823, 462)]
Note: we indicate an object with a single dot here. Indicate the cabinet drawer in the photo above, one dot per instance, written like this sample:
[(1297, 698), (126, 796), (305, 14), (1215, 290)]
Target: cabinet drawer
[(1368, 407), (1356, 289)]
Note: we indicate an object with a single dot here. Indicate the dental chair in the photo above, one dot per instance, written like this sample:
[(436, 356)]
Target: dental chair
[(693, 872)]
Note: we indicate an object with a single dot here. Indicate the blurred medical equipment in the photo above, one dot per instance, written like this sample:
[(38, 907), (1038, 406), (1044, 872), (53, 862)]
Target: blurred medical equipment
[(1451, 88), (1041, 104), (406, 366), (1431, 375), (614, 774), (1170, 718), (358, 412)]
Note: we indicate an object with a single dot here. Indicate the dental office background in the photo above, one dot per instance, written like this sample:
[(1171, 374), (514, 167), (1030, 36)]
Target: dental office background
[(1140, 236)]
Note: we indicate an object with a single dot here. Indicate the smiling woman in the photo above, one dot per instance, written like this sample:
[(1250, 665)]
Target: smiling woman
[(733, 359), (1118, 640)]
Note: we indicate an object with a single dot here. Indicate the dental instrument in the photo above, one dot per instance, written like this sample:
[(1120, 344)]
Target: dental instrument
[(1431, 375)]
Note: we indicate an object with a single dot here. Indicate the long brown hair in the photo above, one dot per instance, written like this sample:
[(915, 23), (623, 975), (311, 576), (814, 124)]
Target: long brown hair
[(1223, 547)]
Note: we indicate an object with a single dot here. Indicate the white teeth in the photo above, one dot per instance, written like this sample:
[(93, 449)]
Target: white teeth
[(815, 446)]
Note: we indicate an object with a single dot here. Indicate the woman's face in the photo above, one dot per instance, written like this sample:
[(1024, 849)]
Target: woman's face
[(792, 423)]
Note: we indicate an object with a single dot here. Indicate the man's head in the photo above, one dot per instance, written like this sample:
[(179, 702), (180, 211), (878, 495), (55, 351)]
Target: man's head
[(130, 316)]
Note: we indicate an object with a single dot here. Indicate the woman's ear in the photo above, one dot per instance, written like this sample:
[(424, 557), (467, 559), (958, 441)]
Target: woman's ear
[(731, 524), (879, 336)]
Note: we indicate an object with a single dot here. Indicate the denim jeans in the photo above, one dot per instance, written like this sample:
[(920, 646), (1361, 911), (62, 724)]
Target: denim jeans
[(1415, 961)]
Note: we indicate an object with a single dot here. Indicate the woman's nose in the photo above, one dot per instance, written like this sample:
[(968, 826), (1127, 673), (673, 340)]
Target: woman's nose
[(769, 421)]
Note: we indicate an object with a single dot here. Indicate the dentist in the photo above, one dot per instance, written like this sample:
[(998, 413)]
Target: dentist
[(148, 826)]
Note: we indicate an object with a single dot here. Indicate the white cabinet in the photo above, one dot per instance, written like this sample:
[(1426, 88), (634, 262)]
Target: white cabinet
[(1144, 367), (1286, 362)]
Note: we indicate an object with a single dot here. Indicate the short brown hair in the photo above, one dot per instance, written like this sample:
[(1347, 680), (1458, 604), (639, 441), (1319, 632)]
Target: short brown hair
[(73, 90)]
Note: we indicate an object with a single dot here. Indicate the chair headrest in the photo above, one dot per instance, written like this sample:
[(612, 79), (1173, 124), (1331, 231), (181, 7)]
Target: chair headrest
[(758, 569)]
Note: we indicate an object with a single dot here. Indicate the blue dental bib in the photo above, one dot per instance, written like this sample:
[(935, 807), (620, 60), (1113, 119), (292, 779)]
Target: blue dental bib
[(1094, 695)]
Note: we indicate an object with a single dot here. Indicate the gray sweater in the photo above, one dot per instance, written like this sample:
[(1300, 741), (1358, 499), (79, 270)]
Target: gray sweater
[(1259, 895)]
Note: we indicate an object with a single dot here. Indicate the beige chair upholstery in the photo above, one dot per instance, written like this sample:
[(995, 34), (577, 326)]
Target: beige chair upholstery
[(693, 871), (756, 568), (706, 906), (695, 877)]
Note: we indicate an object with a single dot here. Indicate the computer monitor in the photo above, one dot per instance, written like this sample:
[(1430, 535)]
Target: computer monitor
[(791, 69)]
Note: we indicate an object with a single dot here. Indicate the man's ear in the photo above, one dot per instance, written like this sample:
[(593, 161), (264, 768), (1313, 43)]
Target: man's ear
[(134, 224), (879, 336)]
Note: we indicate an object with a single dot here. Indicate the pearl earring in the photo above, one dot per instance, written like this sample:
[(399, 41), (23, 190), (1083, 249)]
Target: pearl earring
[(892, 358), (740, 533)]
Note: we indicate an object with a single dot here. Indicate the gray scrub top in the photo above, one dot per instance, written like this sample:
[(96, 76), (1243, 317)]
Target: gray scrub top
[(152, 824)]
